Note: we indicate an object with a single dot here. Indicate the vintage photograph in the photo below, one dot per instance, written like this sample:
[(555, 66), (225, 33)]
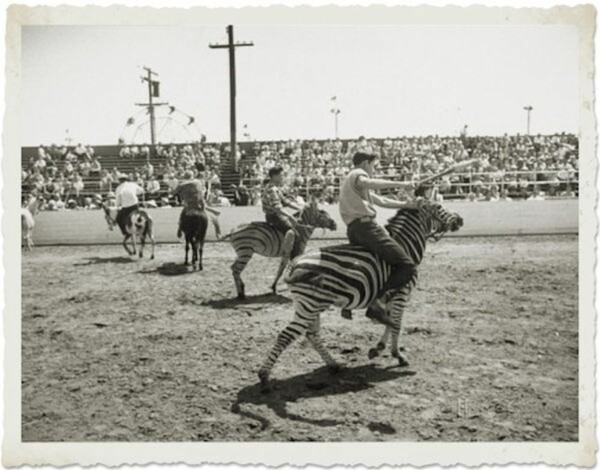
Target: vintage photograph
[(240, 232)]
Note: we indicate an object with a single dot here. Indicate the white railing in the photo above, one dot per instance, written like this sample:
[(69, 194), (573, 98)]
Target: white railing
[(465, 182)]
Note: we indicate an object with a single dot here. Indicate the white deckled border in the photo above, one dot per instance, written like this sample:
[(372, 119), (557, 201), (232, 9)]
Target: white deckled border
[(326, 454)]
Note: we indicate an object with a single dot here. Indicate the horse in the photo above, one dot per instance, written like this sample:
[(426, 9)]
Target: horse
[(27, 222), (139, 224), (194, 223)]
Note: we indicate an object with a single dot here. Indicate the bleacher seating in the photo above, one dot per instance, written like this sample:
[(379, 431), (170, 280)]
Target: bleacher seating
[(518, 164)]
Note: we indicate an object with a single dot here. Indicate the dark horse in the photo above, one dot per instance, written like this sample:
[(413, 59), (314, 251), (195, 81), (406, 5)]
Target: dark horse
[(194, 223)]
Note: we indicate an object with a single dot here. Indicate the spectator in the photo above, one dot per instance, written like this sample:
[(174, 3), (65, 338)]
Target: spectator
[(172, 182), (105, 182), (508, 166), (95, 167), (79, 150), (125, 152), (241, 197), (153, 187), (77, 186)]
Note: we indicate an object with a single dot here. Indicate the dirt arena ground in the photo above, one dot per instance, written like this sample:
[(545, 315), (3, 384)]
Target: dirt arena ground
[(115, 349)]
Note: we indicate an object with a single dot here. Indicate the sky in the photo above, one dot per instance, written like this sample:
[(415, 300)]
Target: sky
[(389, 81)]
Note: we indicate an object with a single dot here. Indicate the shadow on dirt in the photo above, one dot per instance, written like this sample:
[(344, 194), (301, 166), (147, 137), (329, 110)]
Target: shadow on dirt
[(268, 298), (170, 269), (112, 260), (316, 384)]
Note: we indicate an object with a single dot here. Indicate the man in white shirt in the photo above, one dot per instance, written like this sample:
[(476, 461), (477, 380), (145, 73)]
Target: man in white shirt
[(127, 200), (358, 213)]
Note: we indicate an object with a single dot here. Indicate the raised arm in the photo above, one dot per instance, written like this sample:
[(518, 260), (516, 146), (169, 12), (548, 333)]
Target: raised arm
[(373, 183), (289, 203), (394, 204)]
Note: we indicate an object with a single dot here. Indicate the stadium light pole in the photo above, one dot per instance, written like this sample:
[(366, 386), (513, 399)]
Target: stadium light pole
[(231, 45), (335, 110), (528, 109)]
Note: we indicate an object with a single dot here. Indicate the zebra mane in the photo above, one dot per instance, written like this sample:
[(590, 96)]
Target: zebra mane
[(307, 208), (428, 218)]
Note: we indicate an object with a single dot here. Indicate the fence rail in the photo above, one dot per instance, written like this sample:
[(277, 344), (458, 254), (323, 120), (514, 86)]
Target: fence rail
[(455, 183)]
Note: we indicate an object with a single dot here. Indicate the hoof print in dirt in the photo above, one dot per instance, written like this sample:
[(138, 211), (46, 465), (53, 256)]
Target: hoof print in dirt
[(373, 353), (383, 428)]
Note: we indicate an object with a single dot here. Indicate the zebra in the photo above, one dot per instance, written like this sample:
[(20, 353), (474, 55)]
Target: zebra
[(262, 238), (350, 277)]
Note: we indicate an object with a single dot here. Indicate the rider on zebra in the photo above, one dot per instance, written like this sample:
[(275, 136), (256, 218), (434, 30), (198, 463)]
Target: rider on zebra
[(358, 213), (191, 192), (273, 202), (127, 200)]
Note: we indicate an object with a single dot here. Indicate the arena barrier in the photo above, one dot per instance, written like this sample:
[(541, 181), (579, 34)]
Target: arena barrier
[(81, 227)]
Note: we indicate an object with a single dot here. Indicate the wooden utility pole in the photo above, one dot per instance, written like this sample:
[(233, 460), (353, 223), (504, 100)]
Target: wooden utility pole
[(151, 104), (231, 45)]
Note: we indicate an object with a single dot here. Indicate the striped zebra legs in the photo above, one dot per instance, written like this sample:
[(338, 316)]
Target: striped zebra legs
[(287, 247), (314, 337), (243, 257), (299, 325), (396, 306)]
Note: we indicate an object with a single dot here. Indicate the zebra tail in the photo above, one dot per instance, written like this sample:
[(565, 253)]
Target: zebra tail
[(227, 236), (233, 231)]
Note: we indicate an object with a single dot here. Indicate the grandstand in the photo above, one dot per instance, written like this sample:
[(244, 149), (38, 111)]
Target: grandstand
[(510, 166)]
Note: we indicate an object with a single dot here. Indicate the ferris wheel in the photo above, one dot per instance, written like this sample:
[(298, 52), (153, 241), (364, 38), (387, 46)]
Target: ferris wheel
[(163, 122), (172, 126)]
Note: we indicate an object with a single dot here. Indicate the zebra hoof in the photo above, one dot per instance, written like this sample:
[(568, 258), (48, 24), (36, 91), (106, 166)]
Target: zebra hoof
[(335, 369), (241, 296), (265, 385), (373, 353), (152, 257), (402, 362), (186, 264), (200, 268)]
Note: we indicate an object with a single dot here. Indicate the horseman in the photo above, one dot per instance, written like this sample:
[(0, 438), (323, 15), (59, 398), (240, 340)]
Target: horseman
[(273, 202), (191, 192), (126, 200), (357, 209)]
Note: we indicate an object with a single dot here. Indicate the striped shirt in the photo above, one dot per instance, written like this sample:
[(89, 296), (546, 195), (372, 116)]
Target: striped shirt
[(274, 199)]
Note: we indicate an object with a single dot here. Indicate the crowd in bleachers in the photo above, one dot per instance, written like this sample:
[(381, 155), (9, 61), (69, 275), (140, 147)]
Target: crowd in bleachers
[(517, 166), (74, 178), (506, 167)]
